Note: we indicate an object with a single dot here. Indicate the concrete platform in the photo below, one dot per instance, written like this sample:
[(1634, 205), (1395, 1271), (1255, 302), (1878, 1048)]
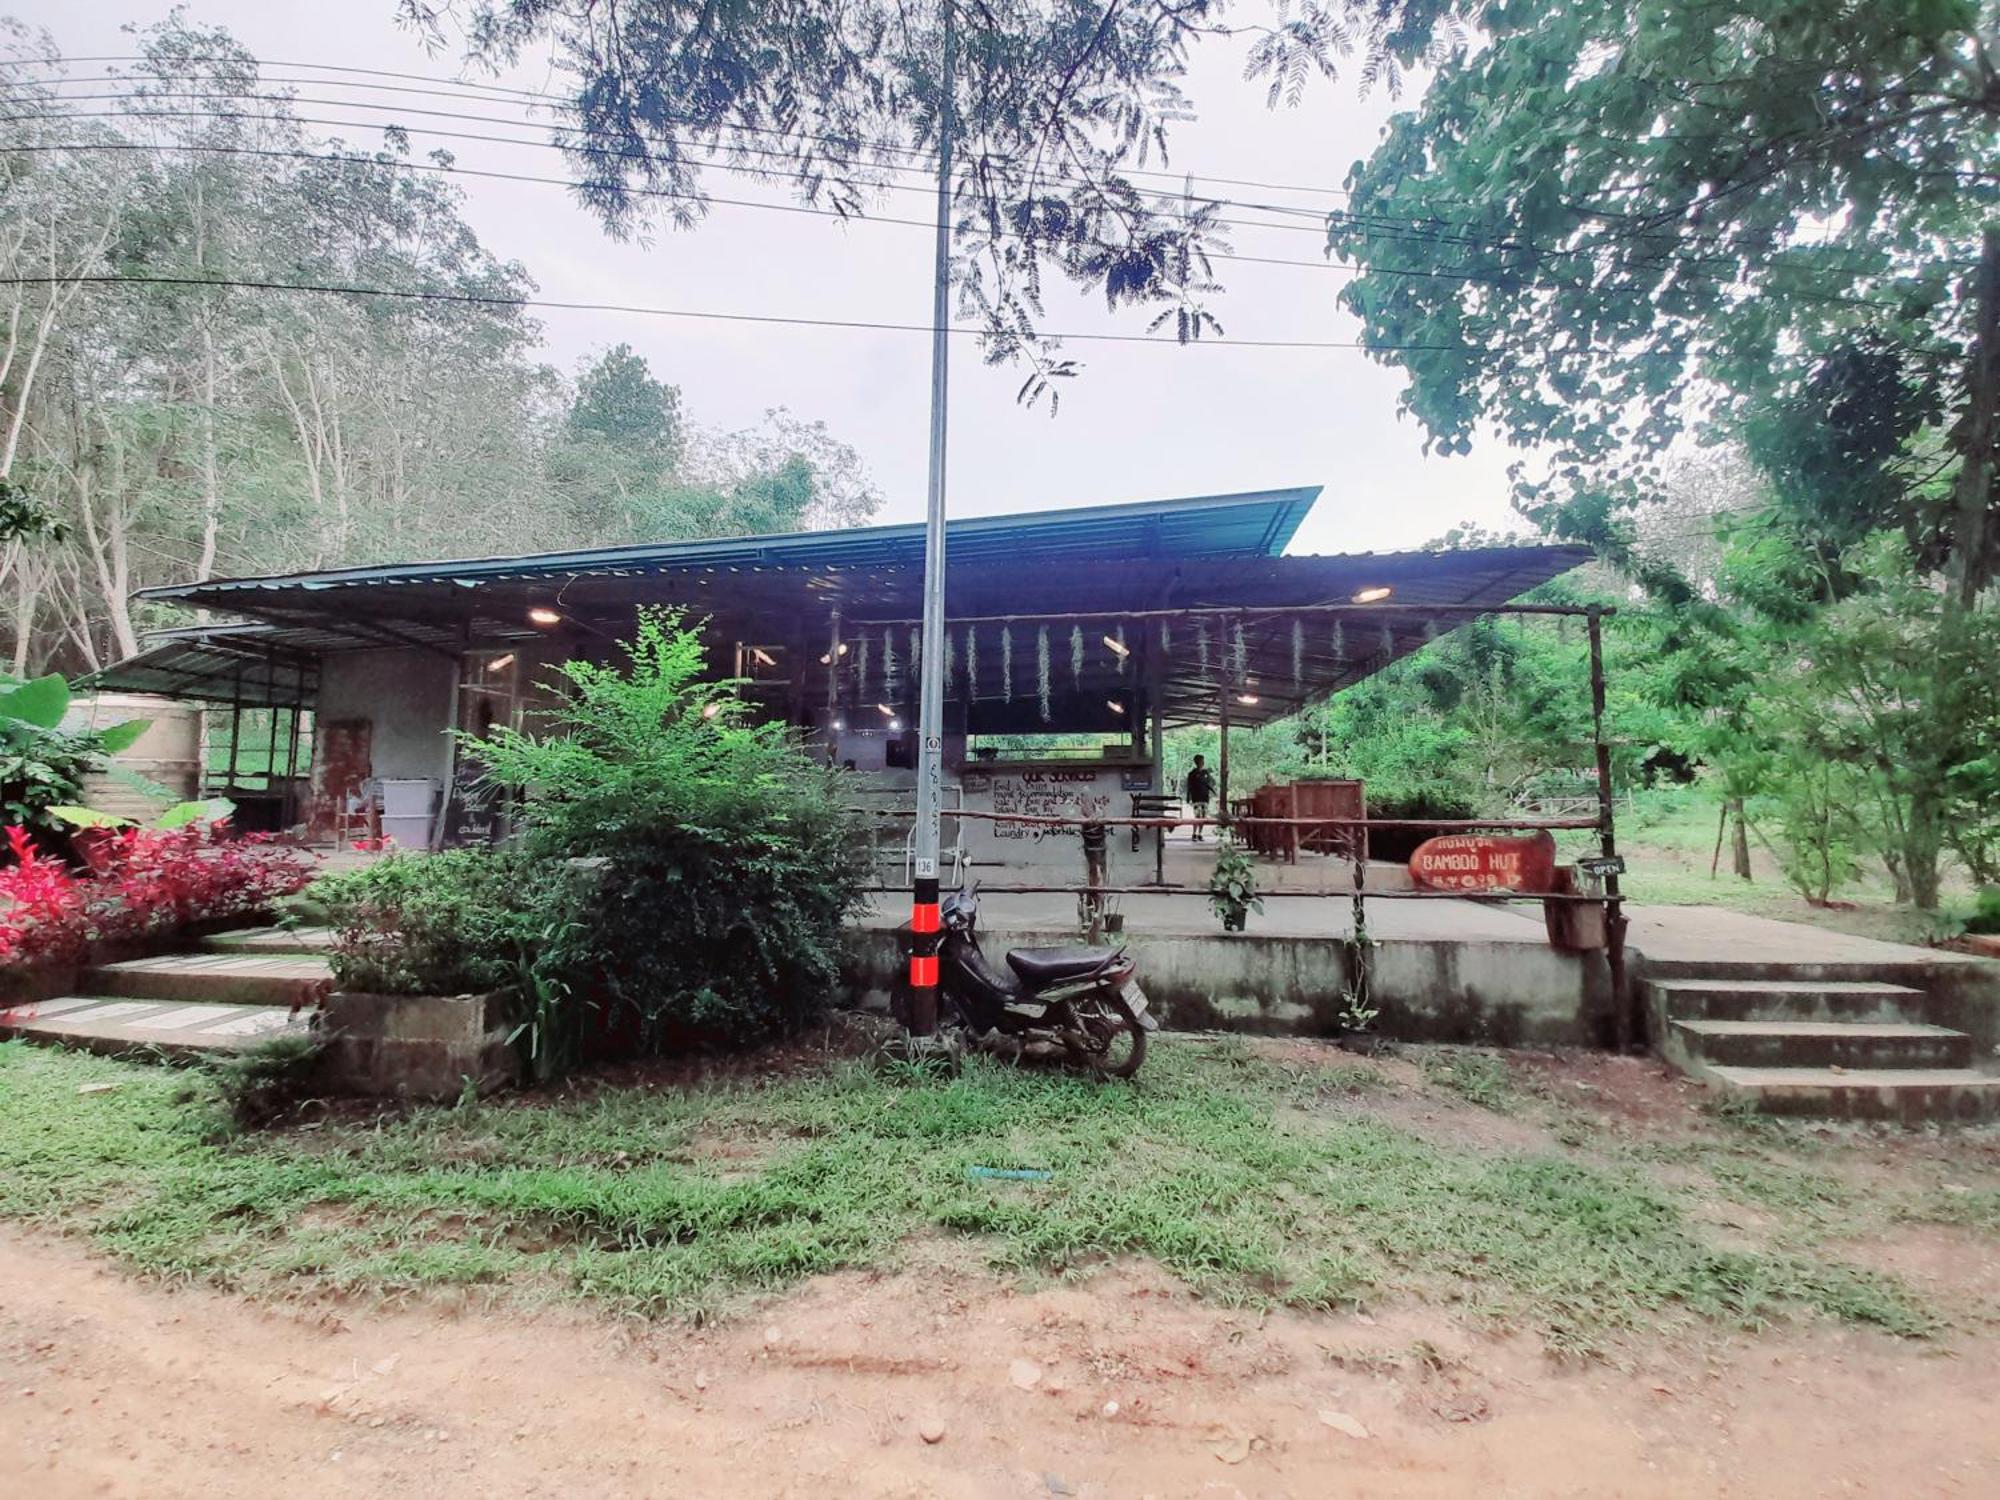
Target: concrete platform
[(114, 1026)]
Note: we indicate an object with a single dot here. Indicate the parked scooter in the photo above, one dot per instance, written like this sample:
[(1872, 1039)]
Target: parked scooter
[(1083, 1002)]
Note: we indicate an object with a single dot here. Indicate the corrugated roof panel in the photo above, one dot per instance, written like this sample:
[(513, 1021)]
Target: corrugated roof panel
[(1255, 524)]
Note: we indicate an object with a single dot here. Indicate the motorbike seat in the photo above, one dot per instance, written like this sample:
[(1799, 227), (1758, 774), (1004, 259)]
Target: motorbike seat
[(1047, 965)]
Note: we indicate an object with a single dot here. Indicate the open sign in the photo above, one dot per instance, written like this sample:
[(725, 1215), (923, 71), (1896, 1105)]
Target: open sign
[(1486, 862)]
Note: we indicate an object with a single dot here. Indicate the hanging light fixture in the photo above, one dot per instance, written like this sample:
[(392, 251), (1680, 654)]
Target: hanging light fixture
[(541, 614), (1374, 594)]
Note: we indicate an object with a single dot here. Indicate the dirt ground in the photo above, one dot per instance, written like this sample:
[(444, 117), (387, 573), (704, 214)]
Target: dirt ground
[(933, 1382)]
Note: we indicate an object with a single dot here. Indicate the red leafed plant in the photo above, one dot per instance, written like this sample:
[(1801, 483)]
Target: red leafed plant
[(43, 916), (139, 881)]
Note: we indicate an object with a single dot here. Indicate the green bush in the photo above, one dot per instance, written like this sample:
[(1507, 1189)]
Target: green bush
[(462, 922), (1985, 916), (729, 862)]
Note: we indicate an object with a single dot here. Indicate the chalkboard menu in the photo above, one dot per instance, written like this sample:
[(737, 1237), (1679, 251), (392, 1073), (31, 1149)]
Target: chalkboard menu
[(474, 811)]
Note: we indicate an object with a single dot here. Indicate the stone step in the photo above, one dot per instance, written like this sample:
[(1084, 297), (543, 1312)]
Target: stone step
[(1728, 999), (293, 940), (117, 1027), (1821, 1044), (216, 978), (1911, 1095)]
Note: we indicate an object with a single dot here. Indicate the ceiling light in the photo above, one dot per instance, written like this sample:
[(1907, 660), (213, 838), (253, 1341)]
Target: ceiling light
[(839, 725), (1117, 646), (887, 712), (1114, 705), (1248, 700), (501, 663), (896, 724), (1373, 595), (541, 614)]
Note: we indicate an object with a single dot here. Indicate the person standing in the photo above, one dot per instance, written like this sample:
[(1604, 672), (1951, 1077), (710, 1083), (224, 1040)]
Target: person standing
[(1200, 791)]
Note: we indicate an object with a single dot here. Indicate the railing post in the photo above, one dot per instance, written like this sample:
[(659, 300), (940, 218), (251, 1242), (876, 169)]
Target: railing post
[(1624, 1032)]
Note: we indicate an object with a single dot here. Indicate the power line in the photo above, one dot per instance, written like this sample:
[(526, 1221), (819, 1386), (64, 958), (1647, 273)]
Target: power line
[(487, 300), (1422, 229), (924, 156), (1496, 278), (705, 199)]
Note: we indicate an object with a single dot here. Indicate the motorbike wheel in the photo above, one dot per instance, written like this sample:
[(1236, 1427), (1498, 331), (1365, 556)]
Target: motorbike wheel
[(1114, 1042)]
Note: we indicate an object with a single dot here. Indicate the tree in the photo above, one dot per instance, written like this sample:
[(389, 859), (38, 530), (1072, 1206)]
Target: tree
[(1056, 105), (1620, 223), (160, 432), (618, 400), (1619, 218)]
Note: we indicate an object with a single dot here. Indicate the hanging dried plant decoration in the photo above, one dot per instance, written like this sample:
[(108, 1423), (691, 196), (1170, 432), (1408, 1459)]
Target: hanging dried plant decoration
[(1388, 641), (1166, 639), (1076, 657), (1201, 648), (1431, 628), (950, 661), (1242, 654), (1007, 663), (861, 670), (916, 656), (1042, 670), (1298, 653), (890, 685), (972, 661), (1124, 652), (1339, 640)]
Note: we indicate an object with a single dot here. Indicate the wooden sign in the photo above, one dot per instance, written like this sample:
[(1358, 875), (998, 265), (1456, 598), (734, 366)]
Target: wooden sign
[(1486, 862)]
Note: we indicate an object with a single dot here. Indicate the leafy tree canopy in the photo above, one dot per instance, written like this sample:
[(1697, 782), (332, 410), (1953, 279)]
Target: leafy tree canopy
[(1611, 221), (1057, 105)]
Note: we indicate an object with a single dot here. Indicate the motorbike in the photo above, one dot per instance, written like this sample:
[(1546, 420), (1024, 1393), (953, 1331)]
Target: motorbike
[(1085, 1003)]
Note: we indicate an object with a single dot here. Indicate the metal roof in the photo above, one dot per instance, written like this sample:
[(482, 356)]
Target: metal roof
[(255, 665), (1294, 650), (1257, 523)]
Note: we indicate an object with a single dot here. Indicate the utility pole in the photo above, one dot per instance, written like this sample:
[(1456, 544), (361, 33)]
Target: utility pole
[(930, 705)]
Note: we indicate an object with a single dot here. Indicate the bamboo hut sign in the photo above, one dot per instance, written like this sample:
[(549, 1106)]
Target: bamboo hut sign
[(1486, 862)]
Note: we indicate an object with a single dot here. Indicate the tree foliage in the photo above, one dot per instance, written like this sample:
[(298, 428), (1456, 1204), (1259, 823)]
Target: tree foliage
[(1613, 220), (160, 433), (1057, 109)]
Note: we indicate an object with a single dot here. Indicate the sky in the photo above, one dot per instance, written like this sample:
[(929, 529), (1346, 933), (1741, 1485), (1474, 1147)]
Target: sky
[(1138, 423)]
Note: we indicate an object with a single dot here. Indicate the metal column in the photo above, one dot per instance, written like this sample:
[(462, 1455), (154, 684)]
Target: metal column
[(930, 708)]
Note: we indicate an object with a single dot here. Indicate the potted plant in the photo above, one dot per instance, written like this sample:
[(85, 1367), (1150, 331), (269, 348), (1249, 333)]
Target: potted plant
[(1232, 887)]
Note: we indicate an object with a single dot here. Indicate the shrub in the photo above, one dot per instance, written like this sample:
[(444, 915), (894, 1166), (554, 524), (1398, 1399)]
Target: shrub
[(44, 917), (137, 881), (159, 879), (461, 922), (729, 862)]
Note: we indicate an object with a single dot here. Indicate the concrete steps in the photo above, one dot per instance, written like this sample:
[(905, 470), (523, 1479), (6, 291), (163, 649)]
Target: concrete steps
[(247, 988), (1736, 999), (1839, 1048), (1910, 1095), (285, 979), (1825, 1044), (307, 941), (106, 1024)]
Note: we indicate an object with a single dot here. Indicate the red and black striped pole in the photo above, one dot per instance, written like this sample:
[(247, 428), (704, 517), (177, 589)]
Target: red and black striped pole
[(924, 933)]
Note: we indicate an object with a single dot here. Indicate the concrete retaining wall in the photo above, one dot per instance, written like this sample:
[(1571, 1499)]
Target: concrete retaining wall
[(419, 1046), (1463, 991)]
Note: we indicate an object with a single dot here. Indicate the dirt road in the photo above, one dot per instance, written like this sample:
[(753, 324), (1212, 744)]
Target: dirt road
[(925, 1384)]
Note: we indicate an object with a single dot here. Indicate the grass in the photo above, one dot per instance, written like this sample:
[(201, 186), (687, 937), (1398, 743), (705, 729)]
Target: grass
[(678, 1201), (1667, 835)]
